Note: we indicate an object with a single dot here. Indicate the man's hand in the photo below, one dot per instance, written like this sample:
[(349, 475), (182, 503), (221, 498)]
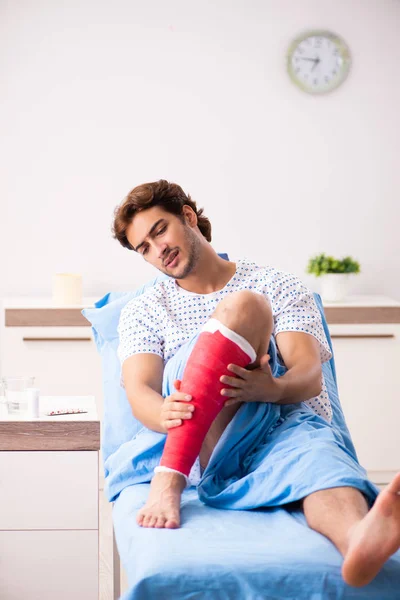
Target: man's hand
[(257, 385), (174, 409)]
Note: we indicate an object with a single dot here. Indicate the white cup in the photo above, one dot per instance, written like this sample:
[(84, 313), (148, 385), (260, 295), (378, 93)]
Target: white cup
[(67, 289)]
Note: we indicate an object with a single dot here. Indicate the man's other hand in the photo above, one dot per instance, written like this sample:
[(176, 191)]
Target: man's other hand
[(256, 385)]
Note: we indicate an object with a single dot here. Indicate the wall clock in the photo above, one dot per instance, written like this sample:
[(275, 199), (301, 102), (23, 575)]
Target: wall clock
[(318, 61)]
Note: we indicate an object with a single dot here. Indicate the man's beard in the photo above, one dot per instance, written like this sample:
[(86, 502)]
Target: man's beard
[(194, 244)]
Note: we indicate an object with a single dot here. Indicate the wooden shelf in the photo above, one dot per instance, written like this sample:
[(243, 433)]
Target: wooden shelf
[(45, 317), (72, 317), (354, 315), (55, 435)]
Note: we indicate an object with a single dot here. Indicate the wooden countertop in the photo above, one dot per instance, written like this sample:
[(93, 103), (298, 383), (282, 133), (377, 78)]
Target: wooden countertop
[(64, 432), (361, 315), (40, 313)]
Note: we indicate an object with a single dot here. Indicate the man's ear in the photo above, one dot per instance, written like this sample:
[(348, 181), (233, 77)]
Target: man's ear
[(189, 215)]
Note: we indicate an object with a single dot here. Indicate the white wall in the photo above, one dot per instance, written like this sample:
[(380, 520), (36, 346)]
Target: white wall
[(98, 96)]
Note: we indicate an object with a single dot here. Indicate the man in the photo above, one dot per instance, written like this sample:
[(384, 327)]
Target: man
[(214, 310)]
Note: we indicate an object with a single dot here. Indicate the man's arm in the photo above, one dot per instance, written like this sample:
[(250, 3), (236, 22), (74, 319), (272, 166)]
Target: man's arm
[(302, 381), (142, 374), (300, 353)]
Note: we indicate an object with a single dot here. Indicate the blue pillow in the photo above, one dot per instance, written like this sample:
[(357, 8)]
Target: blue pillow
[(119, 425), (105, 316)]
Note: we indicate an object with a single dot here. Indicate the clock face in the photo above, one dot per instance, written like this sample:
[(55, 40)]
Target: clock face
[(318, 62)]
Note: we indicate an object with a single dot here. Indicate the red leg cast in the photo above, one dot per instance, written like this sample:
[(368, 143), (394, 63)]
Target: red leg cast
[(216, 348)]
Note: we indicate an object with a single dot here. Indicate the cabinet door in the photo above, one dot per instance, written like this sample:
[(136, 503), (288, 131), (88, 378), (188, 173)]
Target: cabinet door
[(63, 360), (49, 565), (368, 362), (49, 490)]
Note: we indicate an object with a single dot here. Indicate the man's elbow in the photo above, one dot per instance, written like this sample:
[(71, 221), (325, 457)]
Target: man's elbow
[(317, 389), (133, 411), (133, 402), (317, 384)]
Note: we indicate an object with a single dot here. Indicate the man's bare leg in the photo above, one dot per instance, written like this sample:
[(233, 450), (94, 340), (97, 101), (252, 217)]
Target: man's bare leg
[(250, 315), (366, 539)]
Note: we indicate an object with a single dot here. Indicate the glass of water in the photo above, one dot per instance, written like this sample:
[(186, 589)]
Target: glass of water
[(15, 392)]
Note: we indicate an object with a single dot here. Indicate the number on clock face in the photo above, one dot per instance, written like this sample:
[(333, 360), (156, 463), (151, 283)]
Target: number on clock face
[(318, 62)]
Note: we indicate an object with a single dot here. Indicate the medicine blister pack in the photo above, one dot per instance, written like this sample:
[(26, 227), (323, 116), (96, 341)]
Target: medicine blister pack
[(65, 411)]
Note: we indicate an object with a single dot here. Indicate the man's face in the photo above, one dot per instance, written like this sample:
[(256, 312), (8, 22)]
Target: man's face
[(165, 241)]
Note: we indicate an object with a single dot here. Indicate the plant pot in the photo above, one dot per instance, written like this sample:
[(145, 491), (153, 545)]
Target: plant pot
[(334, 286)]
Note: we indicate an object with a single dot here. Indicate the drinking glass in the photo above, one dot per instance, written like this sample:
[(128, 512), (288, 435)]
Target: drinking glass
[(15, 392)]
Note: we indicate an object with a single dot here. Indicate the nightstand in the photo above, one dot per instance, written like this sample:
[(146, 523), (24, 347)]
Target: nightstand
[(49, 518)]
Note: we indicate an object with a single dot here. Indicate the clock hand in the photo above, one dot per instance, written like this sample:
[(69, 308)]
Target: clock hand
[(317, 61), (311, 59)]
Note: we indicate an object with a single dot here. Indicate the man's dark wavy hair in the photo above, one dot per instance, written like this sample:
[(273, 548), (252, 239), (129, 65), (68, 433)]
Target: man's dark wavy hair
[(169, 196)]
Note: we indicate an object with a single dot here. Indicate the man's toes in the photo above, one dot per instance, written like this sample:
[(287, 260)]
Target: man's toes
[(152, 521), (394, 485), (146, 520), (356, 578), (385, 501), (172, 522), (139, 518), (160, 523)]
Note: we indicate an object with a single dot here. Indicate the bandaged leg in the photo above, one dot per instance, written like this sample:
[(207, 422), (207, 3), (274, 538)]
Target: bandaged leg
[(216, 348)]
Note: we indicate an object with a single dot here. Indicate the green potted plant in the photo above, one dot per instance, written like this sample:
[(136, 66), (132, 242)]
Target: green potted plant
[(334, 273)]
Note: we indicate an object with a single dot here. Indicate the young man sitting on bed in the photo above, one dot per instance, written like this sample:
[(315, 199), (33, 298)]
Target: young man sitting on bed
[(229, 316)]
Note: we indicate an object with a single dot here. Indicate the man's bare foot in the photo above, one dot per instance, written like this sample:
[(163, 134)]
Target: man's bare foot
[(375, 538), (162, 508)]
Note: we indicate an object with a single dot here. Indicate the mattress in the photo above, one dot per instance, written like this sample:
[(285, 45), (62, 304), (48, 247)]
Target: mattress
[(220, 554)]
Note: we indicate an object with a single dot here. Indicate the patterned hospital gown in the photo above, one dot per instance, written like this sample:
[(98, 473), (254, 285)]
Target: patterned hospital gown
[(165, 317)]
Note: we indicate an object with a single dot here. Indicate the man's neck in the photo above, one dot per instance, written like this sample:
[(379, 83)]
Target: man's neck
[(211, 274)]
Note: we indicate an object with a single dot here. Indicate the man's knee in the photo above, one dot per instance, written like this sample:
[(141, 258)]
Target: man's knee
[(246, 299), (245, 305)]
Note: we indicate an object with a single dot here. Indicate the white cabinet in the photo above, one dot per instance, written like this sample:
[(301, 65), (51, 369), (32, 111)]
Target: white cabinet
[(49, 517), (367, 362), (48, 565), (367, 357), (48, 490)]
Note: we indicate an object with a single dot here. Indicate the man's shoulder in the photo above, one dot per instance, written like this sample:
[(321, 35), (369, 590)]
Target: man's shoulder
[(270, 277), (250, 268), (156, 294)]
